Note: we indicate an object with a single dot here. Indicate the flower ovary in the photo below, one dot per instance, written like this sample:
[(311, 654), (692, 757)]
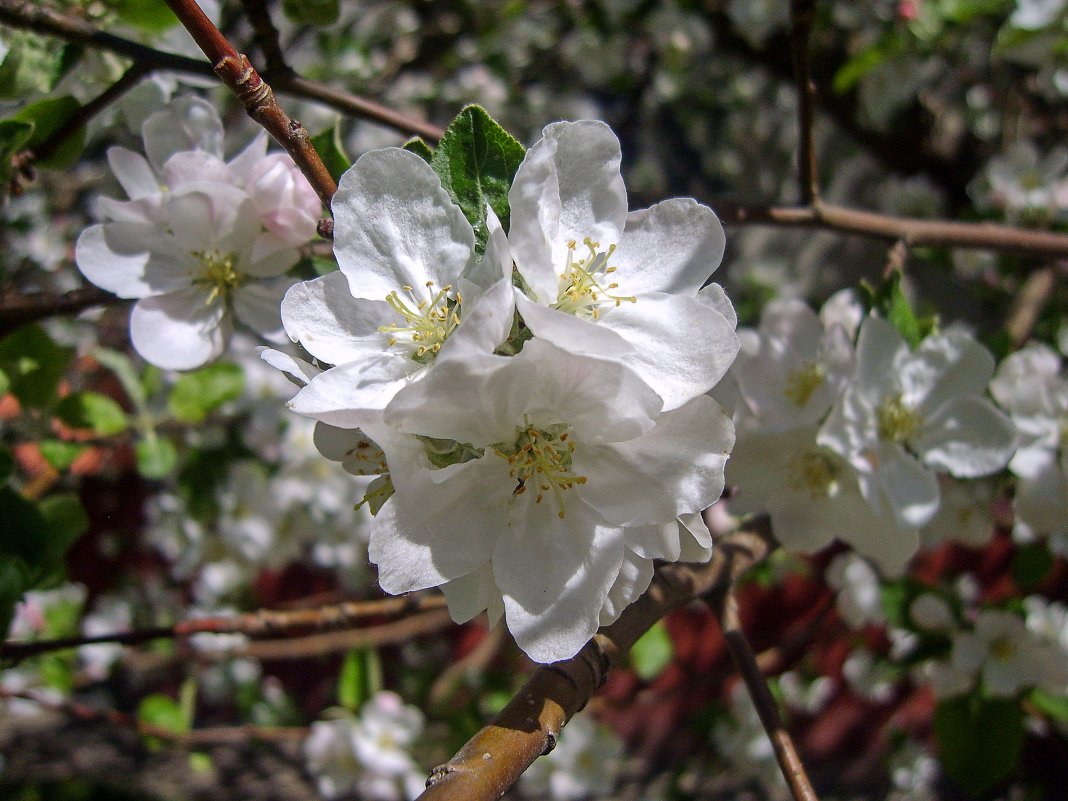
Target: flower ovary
[(582, 289), (540, 460)]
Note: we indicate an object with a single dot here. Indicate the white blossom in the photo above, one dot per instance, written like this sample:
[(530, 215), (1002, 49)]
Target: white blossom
[(1002, 651), (607, 283), (1030, 386), (908, 415), (369, 755), (565, 483), (199, 240)]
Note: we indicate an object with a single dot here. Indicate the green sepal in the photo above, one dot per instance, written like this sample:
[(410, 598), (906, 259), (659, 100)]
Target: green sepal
[(331, 150), (447, 452), (420, 148)]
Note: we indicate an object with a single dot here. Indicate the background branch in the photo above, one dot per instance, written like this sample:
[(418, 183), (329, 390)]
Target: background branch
[(801, 15)]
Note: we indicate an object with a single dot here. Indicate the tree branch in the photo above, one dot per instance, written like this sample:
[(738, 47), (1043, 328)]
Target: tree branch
[(264, 623), (529, 725), (801, 15), (256, 96), (912, 231), (18, 310), (265, 36), (725, 608)]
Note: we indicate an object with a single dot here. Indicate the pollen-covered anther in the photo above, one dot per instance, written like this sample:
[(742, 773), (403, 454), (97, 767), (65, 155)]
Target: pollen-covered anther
[(801, 384), (541, 459), (424, 324), (582, 289), (897, 422)]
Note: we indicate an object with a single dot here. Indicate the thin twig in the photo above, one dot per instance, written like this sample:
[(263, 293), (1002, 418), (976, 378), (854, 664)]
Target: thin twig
[(725, 608), (18, 310), (264, 623), (801, 16), (256, 96), (265, 36), (1028, 304), (529, 725), (27, 15), (214, 735), (914, 232)]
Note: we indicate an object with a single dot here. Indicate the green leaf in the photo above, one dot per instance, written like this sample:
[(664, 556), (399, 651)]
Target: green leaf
[(14, 134), (864, 62), (889, 300), (24, 529), (150, 16), (1030, 564), (652, 652), (360, 678), (14, 581), (92, 410), (34, 364), (420, 148), (197, 394), (164, 712), (331, 150), (322, 266), (979, 739), (123, 368), (156, 456), (47, 117), (7, 464), (33, 64), (61, 455), (476, 161), (1054, 706), (66, 520), (311, 12)]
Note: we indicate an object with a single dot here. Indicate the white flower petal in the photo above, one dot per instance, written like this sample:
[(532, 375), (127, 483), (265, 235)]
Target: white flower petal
[(258, 305), (115, 257), (188, 123), (331, 324), (353, 395), (671, 247), (554, 610), (675, 468), (945, 366), (133, 173), (567, 188), (909, 488), (682, 347), (179, 331), (194, 168), (253, 154), (395, 226), (484, 324), (966, 437), (634, 577), (880, 349), (297, 369)]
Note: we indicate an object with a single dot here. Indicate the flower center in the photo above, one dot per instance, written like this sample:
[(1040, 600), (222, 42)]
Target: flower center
[(540, 460), (217, 272), (815, 472), (424, 324), (1003, 648), (896, 421), (585, 284), (800, 384)]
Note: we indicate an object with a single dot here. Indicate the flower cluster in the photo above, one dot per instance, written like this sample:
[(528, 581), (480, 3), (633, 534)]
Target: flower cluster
[(850, 443), (199, 239), (368, 755), (541, 411)]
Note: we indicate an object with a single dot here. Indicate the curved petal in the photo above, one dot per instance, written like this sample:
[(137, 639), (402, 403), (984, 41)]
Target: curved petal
[(133, 173), (571, 333), (908, 488), (331, 324), (242, 164), (485, 324), (671, 247), (1042, 492), (555, 575), (116, 257), (469, 595), (675, 468), (567, 188), (193, 167), (682, 348), (880, 349), (352, 395), (258, 305), (297, 370), (179, 331), (654, 542), (634, 577), (395, 226), (967, 437), (945, 366), (270, 256), (188, 123)]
